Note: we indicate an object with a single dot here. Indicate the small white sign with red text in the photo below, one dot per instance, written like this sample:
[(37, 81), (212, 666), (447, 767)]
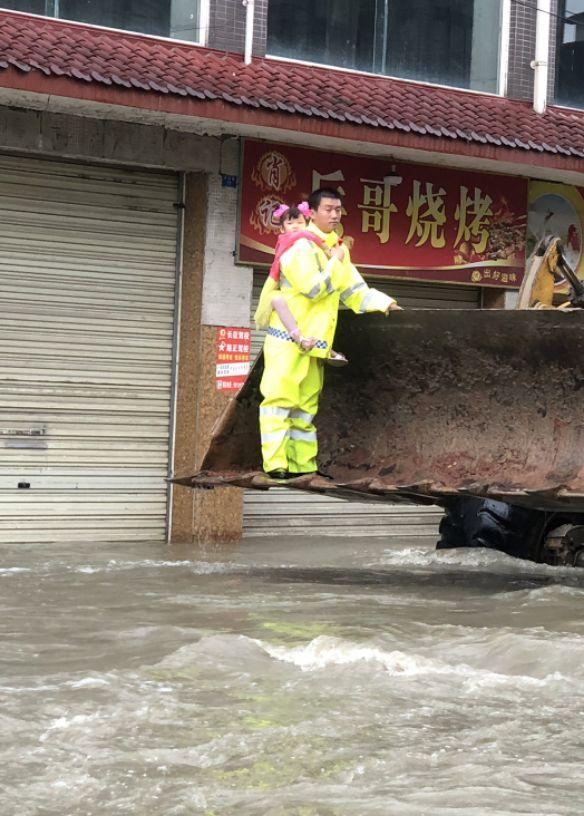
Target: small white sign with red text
[(233, 350)]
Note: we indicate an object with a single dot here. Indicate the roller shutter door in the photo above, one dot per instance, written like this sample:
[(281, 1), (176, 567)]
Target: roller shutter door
[(291, 512), (87, 285)]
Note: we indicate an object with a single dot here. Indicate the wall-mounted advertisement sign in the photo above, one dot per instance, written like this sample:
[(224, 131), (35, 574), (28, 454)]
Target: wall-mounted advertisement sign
[(408, 221), (233, 354), (557, 210)]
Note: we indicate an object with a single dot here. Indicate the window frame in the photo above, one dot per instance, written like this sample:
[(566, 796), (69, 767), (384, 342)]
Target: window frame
[(502, 63), (555, 43), (203, 25)]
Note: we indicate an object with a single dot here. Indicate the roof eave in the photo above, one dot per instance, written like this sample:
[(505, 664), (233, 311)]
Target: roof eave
[(35, 82)]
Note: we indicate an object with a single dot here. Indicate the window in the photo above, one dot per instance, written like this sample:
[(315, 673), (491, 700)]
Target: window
[(570, 54), (450, 42), (166, 18)]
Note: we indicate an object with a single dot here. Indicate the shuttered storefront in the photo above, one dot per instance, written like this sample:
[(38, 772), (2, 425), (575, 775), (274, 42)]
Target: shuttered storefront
[(292, 512), (87, 286)]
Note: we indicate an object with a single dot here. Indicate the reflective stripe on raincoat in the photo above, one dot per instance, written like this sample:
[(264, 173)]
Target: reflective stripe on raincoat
[(313, 285)]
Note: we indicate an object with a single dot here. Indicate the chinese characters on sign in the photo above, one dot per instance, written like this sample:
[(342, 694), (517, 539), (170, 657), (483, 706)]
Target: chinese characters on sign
[(408, 221), (233, 349), (427, 215), (377, 208)]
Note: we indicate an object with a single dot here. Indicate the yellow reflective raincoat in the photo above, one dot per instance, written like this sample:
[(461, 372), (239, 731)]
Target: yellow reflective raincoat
[(312, 285)]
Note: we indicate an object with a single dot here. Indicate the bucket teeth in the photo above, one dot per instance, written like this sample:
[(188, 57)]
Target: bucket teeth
[(259, 481), (320, 483)]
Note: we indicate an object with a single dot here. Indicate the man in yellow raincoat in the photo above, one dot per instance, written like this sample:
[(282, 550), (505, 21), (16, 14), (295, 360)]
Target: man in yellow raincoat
[(312, 285)]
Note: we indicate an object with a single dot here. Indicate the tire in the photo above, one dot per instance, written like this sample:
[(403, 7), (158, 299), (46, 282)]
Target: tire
[(494, 525), (454, 525)]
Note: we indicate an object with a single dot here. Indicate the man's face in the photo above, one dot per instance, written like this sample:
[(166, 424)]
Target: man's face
[(327, 215)]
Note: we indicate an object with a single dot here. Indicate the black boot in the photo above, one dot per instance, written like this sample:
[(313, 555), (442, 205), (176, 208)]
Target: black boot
[(279, 474), (309, 473)]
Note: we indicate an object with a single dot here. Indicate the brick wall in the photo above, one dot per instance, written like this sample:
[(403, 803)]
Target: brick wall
[(227, 26), (522, 50)]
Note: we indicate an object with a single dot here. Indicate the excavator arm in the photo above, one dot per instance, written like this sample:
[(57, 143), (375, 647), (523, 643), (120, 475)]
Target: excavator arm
[(545, 269)]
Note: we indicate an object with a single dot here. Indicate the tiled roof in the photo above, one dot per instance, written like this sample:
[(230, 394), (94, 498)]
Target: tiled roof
[(161, 67)]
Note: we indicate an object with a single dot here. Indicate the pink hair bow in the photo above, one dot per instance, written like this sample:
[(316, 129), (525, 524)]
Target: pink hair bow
[(279, 211), (304, 208)]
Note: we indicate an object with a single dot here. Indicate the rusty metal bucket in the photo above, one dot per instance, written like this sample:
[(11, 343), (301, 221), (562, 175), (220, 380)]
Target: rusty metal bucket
[(436, 404)]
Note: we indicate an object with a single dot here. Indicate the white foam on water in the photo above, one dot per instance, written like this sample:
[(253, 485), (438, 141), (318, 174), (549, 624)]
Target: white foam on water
[(470, 557), (552, 593), (325, 651), (88, 682), (68, 722), (28, 689), (64, 723), (429, 556), (114, 565)]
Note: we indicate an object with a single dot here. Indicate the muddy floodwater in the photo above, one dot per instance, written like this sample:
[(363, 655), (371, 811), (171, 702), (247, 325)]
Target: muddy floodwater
[(299, 677)]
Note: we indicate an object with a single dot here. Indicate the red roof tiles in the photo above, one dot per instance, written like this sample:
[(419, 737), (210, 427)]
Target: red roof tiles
[(162, 67)]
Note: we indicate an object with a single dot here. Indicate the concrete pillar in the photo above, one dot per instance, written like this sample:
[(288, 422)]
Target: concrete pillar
[(185, 442), (215, 293), (205, 517)]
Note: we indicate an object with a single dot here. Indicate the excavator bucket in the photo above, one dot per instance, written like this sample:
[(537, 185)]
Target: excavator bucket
[(435, 405)]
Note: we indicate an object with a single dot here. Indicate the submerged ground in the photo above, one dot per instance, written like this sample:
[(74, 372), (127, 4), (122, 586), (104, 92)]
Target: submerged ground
[(307, 677)]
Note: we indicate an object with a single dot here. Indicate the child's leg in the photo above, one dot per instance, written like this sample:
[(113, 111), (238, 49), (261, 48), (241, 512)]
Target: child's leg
[(284, 313), (336, 359)]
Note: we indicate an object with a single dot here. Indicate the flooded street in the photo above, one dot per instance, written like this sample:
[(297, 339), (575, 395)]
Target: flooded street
[(303, 677)]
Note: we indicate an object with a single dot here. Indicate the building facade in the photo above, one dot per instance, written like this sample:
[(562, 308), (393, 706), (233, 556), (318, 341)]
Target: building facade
[(134, 239)]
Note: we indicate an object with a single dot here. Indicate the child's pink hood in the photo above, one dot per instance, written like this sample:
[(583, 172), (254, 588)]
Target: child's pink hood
[(285, 241)]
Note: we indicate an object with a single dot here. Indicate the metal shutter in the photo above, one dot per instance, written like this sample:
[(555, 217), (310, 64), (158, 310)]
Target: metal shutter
[(291, 512), (87, 286)]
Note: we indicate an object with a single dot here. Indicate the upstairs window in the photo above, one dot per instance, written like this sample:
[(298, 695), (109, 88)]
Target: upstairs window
[(178, 19), (570, 54), (448, 42)]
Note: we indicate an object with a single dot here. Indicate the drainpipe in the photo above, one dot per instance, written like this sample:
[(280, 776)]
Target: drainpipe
[(540, 63), (249, 10)]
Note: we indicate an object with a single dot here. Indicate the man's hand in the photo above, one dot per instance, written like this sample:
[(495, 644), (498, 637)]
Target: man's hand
[(393, 307), (338, 252)]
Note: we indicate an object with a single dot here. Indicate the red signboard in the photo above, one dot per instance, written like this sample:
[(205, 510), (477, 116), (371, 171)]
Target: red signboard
[(233, 347), (409, 221)]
